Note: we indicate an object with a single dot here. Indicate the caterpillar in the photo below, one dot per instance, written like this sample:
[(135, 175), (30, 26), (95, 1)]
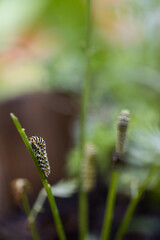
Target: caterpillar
[(89, 168), (39, 147), (122, 127)]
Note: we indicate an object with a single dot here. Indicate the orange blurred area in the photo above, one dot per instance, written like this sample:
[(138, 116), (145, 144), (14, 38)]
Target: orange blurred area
[(115, 22)]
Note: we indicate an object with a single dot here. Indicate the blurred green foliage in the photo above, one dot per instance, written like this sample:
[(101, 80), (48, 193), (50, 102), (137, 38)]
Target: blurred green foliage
[(125, 67)]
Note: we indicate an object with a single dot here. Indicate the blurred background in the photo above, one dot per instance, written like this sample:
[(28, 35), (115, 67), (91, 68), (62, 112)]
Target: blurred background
[(42, 66)]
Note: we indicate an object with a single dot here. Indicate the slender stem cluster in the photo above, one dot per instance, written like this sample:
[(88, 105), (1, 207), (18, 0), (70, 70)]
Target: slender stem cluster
[(133, 204)]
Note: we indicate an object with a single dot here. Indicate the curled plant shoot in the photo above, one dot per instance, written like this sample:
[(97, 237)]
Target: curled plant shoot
[(20, 187)]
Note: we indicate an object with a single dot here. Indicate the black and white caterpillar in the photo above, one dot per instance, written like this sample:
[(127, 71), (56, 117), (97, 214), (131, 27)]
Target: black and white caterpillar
[(39, 147), (122, 127)]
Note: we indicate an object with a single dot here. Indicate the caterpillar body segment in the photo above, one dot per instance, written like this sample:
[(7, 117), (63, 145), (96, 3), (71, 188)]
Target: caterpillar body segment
[(39, 147), (122, 127)]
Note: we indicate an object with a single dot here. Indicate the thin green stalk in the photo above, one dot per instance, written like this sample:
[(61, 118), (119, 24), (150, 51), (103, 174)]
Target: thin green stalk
[(27, 210), (86, 81), (38, 205), (132, 205), (109, 207), (83, 215), (43, 179), (83, 201)]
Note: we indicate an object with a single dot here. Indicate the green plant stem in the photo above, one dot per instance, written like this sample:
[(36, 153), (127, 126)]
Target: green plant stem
[(32, 224), (86, 81), (132, 205), (109, 207), (43, 179), (38, 205), (83, 200), (83, 215)]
